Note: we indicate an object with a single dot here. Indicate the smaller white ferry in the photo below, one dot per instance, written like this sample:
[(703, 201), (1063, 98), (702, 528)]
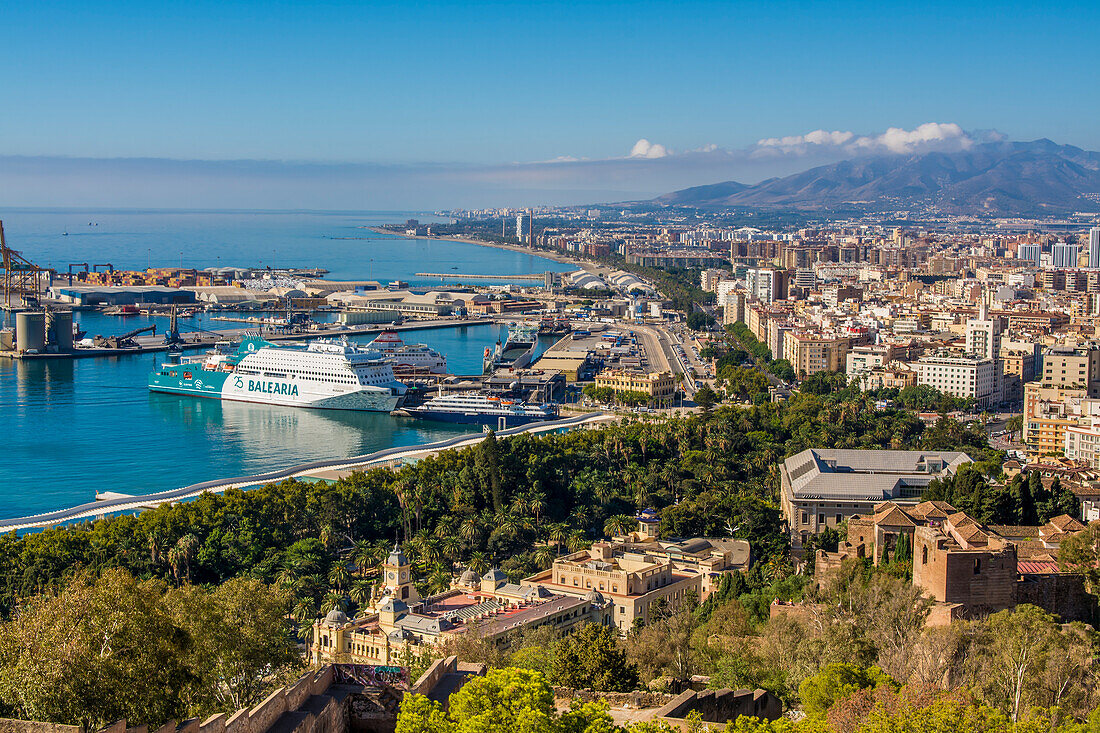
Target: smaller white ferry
[(326, 374), (409, 358), (479, 407)]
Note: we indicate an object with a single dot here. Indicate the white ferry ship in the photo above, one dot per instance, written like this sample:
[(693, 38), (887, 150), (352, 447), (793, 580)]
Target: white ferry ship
[(478, 407), (326, 374), (517, 351), (409, 358)]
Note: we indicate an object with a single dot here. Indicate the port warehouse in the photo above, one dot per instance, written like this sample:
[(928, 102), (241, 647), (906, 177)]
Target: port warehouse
[(433, 303)]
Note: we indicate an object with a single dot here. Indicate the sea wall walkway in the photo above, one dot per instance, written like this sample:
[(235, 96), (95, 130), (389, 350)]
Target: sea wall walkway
[(124, 503)]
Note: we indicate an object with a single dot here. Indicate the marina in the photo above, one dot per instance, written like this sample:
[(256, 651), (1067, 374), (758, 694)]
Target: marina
[(80, 426)]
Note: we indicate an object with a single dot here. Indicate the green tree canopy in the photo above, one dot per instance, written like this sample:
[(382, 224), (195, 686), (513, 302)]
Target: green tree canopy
[(593, 657)]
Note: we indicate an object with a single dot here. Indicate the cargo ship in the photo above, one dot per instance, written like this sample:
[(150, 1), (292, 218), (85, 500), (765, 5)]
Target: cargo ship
[(409, 358), (486, 409), (324, 374), (517, 351)]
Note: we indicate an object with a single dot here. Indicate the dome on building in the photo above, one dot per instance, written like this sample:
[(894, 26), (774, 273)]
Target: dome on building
[(594, 596), (468, 578), (336, 617), (495, 575)]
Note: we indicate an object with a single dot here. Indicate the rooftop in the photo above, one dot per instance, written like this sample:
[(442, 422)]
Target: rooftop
[(827, 472)]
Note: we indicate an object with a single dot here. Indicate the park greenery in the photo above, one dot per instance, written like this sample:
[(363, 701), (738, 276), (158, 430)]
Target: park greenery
[(111, 647), (176, 577)]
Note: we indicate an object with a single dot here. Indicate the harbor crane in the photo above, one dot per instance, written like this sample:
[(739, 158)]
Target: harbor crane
[(21, 278), (124, 341)]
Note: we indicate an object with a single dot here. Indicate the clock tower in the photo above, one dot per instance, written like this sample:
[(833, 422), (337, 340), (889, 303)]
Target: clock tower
[(397, 577)]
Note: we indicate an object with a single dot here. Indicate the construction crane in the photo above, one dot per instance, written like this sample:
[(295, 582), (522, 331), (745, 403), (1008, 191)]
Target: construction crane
[(22, 279), (124, 341)]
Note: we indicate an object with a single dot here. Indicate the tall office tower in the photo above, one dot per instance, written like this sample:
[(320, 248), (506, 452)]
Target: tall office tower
[(1029, 252), (522, 221), (1094, 247), (1064, 255)]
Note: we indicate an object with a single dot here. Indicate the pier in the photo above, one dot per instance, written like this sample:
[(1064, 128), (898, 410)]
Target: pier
[(461, 276), (318, 470), (204, 339)]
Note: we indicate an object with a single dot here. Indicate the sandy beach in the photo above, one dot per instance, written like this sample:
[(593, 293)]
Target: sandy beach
[(556, 256)]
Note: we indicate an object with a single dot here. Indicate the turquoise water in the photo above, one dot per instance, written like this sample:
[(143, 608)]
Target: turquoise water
[(79, 426)]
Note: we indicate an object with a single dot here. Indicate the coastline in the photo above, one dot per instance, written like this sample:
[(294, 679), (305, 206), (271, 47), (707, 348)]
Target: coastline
[(555, 256)]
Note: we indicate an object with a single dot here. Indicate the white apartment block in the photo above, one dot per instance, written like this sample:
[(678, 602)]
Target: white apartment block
[(865, 358), (959, 375), (1083, 444)]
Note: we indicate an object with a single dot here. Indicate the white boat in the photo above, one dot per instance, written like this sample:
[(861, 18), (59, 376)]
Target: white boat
[(326, 373), (409, 358), (479, 407), (517, 351)]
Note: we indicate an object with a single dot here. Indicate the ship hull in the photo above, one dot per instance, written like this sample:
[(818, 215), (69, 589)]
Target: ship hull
[(476, 418), (225, 386)]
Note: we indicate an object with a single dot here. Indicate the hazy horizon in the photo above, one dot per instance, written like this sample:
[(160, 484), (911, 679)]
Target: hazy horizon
[(447, 104)]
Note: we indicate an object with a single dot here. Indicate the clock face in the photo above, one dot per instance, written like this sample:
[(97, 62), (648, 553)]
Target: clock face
[(392, 576), (404, 575)]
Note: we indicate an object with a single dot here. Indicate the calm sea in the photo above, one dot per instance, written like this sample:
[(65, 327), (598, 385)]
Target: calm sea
[(75, 427)]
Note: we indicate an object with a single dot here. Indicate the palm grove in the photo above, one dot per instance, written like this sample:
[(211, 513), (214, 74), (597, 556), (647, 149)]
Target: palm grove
[(305, 548)]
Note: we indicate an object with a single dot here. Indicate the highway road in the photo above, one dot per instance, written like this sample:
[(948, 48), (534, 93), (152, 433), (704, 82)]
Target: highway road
[(136, 503)]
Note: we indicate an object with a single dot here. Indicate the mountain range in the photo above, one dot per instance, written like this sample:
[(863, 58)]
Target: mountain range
[(1000, 179)]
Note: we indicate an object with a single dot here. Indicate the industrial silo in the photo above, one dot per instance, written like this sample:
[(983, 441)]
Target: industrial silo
[(30, 331), (60, 330)]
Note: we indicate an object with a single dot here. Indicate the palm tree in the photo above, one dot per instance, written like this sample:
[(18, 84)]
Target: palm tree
[(338, 575), (431, 551), (156, 546), (175, 561), (576, 541), (439, 580), (188, 545), (537, 505), (332, 602), (469, 530), (618, 525), (543, 557), (479, 563), (360, 593), (558, 534), (364, 557), (304, 611), (452, 547)]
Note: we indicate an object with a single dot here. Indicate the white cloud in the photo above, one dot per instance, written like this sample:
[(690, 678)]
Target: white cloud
[(941, 136), (817, 137), (645, 149), (930, 135)]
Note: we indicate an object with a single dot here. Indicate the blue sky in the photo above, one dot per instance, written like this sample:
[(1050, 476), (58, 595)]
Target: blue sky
[(447, 93)]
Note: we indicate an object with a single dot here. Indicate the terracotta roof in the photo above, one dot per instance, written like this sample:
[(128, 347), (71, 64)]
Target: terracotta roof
[(1029, 566), (1014, 530), (1034, 550), (894, 517), (960, 519), (1066, 523), (932, 510)]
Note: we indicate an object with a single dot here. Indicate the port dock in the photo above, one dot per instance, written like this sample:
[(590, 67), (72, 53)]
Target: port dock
[(460, 276), (205, 339)]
